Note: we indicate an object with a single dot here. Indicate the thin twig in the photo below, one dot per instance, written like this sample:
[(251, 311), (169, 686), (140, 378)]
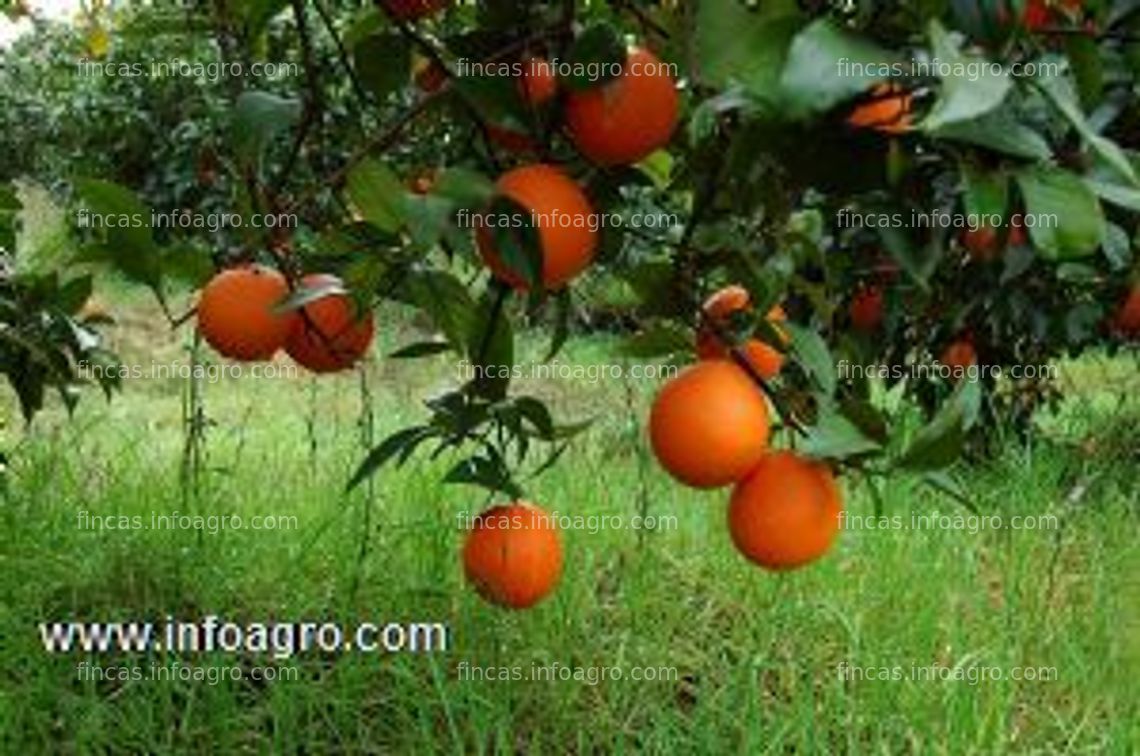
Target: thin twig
[(342, 53)]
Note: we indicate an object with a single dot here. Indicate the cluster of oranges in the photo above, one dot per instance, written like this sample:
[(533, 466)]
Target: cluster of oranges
[(617, 123), (240, 315), (709, 427), (513, 555)]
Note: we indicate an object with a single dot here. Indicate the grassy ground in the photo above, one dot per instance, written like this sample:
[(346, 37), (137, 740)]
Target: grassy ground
[(757, 657)]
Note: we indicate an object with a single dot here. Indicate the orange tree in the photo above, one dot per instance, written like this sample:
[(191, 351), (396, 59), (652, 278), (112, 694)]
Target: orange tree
[(831, 159)]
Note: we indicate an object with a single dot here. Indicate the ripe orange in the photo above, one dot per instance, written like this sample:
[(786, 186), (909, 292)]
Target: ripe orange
[(765, 359), (1039, 14), (513, 555), (982, 242), (567, 228), (785, 514), (430, 77), (960, 354), (517, 142), (624, 120), (1128, 317), (723, 303), (423, 183), (236, 312), (709, 425), (331, 335), (867, 309), (888, 111), (538, 83), (413, 10)]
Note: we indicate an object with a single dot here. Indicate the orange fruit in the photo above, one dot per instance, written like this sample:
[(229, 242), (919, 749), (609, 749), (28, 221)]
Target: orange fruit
[(1017, 235), (330, 335), (1128, 317), (867, 308), (960, 354), (517, 142), (413, 10), (983, 245), (236, 312), (430, 77), (723, 303), (567, 229), (513, 555), (627, 118), (538, 82), (888, 110), (709, 425), (765, 359), (423, 183), (785, 514), (1039, 14)]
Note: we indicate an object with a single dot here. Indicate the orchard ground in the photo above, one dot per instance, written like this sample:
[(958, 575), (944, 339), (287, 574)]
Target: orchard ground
[(742, 660)]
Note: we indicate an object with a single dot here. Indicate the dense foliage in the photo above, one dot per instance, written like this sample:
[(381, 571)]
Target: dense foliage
[(789, 134)]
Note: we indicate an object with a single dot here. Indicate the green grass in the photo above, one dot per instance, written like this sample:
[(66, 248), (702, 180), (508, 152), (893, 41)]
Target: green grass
[(756, 654)]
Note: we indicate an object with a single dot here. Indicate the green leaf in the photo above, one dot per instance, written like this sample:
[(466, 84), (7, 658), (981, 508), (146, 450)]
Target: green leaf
[(835, 437), (537, 414), (74, 294), (1122, 196), (516, 239), (1064, 216), (658, 167), (428, 217), (403, 440), (129, 245), (491, 343), (998, 131), (1117, 247), (465, 188), (188, 262), (735, 44), (1088, 68), (1060, 93), (496, 100), (985, 193), (561, 331), (596, 57), (919, 261), (943, 481), (939, 444), (828, 65), (377, 194), (257, 118), (971, 86), (659, 340), (257, 13), (487, 472), (813, 355), (383, 62), (446, 300)]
